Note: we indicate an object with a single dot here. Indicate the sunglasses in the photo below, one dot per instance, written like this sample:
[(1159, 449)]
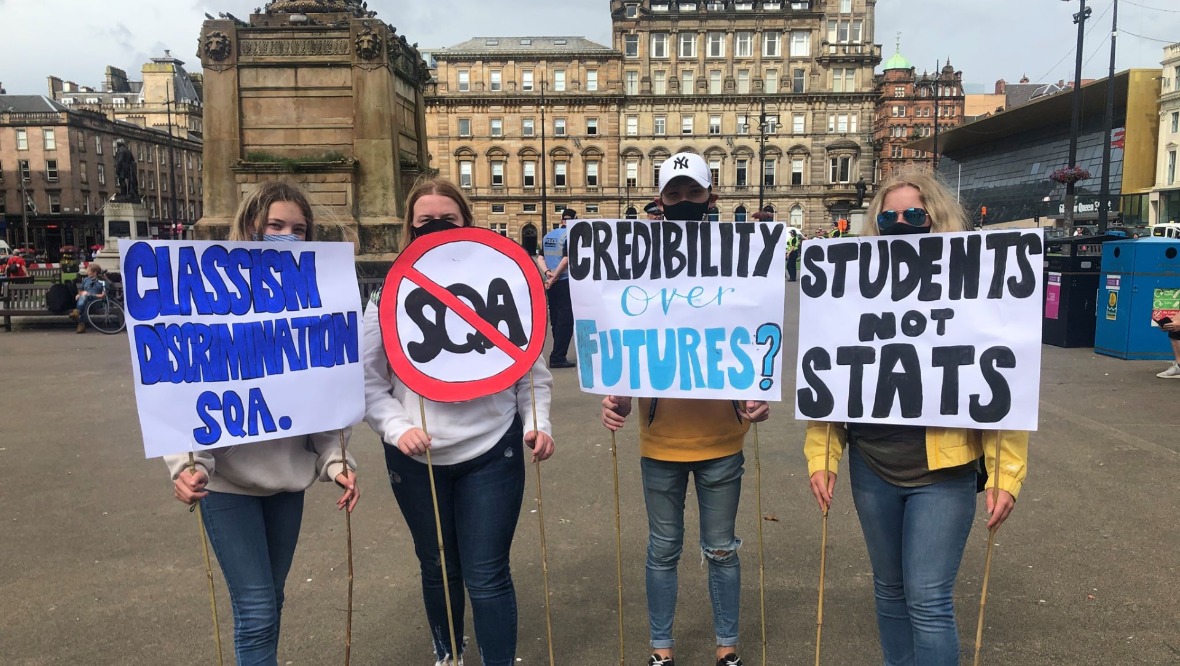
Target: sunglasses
[(913, 216)]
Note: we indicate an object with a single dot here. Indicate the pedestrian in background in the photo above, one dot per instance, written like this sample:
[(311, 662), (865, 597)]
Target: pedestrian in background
[(92, 289), (252, 495), (914, 487), (794, 243), (478, 465), (554, 263), (679, 438)]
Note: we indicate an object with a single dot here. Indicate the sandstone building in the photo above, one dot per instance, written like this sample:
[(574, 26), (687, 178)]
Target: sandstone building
[(60, 161), (778, 97), (167, 98)]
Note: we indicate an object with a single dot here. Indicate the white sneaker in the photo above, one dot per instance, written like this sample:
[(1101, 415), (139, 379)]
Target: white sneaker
[(1173, 372), (449, 662)]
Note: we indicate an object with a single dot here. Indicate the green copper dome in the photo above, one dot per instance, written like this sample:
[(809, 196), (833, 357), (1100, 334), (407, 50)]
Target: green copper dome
[(896, 61)]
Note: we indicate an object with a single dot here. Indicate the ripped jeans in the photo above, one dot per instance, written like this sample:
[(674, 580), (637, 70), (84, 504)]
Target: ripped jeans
[(479, 504), (718, 488)]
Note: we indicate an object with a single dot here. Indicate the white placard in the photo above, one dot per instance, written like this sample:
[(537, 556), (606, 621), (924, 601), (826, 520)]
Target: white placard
[(934, 329), (241, 342), (683, 309)]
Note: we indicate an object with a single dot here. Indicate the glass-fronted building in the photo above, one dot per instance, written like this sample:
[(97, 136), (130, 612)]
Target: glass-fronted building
[(1003, 162)]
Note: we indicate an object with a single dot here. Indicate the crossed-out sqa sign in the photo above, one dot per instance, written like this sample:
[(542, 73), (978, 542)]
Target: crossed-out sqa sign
[(462, 314)]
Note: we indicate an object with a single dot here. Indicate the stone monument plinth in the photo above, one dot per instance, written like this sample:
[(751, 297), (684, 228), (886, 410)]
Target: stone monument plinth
[(321, 93), (121, 220)]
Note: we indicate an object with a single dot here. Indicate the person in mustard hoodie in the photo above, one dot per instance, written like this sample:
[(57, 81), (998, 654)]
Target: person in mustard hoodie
[(682, 437), (915, 487)]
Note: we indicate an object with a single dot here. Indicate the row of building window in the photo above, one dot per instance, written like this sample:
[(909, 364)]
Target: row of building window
[(840, 170), (902, 111), (184, 213), (662, 6), (49, 142), (842, 79), (841, 123), (145, 178)]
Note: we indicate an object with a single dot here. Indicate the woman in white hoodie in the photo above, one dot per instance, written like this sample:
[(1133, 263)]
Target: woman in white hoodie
[(252, 495), (476, 449)]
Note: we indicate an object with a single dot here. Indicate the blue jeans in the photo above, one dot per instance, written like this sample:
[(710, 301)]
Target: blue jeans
[(254, 539), (718, 488), (915, 539), (479, 505)]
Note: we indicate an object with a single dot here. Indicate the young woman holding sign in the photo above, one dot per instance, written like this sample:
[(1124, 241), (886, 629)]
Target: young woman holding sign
[(477, 457), (914, 487), (252, 495)]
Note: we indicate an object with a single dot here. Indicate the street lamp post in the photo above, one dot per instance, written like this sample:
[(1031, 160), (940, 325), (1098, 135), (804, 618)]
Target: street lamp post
[(1075, 124), (1108, 127), (761, 154), (544, 171)]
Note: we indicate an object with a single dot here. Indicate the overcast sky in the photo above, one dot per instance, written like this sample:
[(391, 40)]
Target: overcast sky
[(986, 39)]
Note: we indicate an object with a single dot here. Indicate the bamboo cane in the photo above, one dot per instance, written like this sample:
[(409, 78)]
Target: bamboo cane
[(192, 466), (442, 555), (823, 550), (348, 533), (987, 564), (541, 522), (761, 550), (618, 545)]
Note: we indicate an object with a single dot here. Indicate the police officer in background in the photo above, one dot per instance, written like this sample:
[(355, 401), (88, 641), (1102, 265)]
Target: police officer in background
[(554, 262)]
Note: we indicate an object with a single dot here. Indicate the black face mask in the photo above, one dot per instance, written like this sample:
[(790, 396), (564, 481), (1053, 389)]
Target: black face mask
[(431, 226), (901, 229), (686, 211)]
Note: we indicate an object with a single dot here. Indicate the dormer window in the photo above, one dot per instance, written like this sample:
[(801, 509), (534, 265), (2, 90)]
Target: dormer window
[(772, 5), (743, 6), (659, 6), (632, 11), (526, 42), (715, 6), (559, 42), (491, 42), (688, 6)]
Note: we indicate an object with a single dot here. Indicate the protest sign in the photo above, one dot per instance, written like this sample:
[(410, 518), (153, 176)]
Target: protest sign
[(462, 314), (241, 342), (935, 330), (683, 309)]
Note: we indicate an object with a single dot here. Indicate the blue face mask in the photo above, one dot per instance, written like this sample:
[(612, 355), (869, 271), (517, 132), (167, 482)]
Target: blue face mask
[(278, 238)]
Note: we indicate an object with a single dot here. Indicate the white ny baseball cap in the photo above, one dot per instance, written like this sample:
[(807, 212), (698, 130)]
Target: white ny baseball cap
[(685, 164)]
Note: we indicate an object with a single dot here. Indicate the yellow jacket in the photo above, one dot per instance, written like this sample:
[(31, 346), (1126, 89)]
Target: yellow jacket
[(945, 447)]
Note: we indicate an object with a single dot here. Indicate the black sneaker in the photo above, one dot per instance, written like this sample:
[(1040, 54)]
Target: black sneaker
[(730, 659), (657, 660), (563, 364)]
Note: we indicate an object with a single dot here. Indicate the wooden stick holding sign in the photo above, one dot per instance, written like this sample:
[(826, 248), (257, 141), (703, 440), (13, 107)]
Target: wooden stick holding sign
[(348, 533), (614, 454), (442, 553), (823, 549), (192, 466), (541, 522), (761, 549), (991, 540)]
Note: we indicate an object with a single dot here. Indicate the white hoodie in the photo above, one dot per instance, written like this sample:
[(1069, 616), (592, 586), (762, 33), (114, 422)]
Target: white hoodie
[(459, 431)]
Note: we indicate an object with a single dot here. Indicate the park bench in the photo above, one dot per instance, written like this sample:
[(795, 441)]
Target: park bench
[(24, 300), (46, 275)]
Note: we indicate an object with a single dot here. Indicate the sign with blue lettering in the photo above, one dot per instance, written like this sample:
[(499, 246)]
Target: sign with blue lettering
[(682, 309), (241, 342), (930, 330)]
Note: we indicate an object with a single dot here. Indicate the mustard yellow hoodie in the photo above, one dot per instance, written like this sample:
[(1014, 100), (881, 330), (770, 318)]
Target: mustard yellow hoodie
[(682, 430)]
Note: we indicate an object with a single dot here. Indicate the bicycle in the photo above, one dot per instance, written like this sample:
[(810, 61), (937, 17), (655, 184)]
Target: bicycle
[(106, 314)]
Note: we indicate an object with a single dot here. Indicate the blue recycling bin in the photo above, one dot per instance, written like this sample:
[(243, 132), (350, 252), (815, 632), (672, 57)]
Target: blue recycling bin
[(1131, 273)]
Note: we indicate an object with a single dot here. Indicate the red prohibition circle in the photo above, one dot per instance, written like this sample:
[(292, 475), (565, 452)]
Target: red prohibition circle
[(404, 268)]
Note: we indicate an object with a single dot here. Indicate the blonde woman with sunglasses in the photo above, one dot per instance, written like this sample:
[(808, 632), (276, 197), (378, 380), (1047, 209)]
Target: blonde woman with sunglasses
[(914, 487)]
